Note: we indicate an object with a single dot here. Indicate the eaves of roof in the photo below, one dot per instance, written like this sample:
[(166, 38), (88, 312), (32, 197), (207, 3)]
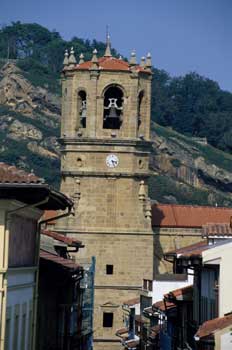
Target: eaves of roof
[(210, 327), (56, 259), (72, 242), (16, 184)]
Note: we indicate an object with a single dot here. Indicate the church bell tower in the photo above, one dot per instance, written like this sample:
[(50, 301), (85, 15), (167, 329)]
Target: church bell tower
[(105, 137)]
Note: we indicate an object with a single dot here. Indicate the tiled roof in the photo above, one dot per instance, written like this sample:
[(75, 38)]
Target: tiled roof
[(57, 236), (217, 230), (163, 306), (67, 263), (132, 344), (108, 63), (210, 327), (173, 215), (147, 310), (132, 302), (121, 331), (28, 188), (180, 293), (193, 250), (139, 319), (9, 174), (155, 330), (48, 214)]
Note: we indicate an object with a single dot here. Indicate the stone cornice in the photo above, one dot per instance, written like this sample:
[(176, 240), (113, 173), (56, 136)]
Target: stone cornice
[(105, 142), (118, 174)]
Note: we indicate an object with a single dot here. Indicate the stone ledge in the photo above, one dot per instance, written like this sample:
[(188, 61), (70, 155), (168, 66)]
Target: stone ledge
[(106, 174), (105, 141)]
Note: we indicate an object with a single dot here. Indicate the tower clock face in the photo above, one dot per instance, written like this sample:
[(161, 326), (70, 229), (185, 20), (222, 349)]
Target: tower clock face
[(112, 161)]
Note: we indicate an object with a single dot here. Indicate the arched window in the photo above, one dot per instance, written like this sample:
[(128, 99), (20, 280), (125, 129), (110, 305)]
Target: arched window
[(113, 108), (140, 107), (82, 108)]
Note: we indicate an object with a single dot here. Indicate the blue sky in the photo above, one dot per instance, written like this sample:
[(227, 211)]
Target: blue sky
[(182, 35)]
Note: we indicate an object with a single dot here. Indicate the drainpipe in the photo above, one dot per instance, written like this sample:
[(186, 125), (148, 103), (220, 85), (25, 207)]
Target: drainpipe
[(36, 294), (4, 267)]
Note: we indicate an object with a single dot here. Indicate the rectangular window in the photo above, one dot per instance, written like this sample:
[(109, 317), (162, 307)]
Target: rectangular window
[(108, 319), (109, 269), (147, 285)]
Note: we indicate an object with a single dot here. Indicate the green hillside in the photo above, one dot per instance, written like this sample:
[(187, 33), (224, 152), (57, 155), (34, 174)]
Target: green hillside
[(184, 107), (164, 186)]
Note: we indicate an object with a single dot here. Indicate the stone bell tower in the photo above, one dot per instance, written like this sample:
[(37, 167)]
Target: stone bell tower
[(105, 136)]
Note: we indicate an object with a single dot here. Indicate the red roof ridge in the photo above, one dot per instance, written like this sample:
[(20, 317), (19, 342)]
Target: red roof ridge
[(68, 263), (217, 229), (121, 331), (174, 214), (62, 238), (179, 291), (108, 63), (210, 327), (189, 206), (189, 248), (188, 216), (10, 174), (161, 305)]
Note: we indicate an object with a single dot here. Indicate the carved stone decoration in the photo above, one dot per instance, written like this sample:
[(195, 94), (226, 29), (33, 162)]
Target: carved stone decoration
[(148, 213), (77, 194), (142, 191)]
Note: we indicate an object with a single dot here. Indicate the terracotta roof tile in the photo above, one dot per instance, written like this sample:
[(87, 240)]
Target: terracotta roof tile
[(173, 215), (139, 319), (48, 214), (59, 237), (121, 331), (219, 230), (132, 344), (163, 306), (9, 174), (210, 327), (132, 302), (155, 330), (67, 263), (109, 63), (180, 292), (193, 250)]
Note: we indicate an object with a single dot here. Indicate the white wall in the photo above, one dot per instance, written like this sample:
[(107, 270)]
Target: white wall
[(163, 287), (225, 341), (222, 255), (20, 294)]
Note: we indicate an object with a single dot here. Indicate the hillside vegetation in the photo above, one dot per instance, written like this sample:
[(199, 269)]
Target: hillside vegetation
[(184, 171), (192, 104), (188, 172)]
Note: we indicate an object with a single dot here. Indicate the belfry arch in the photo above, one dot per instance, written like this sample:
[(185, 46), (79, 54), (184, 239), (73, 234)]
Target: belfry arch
[(81, 108), (113, 98), (141, 109)]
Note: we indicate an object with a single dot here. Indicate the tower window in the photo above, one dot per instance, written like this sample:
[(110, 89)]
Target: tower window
[(109, 269), (82, 106), (113, 108), (140, 107), (108, 319)]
